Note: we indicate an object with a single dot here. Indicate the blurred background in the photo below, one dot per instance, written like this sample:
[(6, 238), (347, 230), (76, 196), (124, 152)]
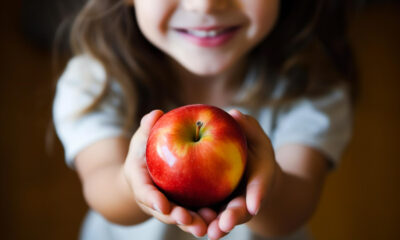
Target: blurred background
[(40, 198)]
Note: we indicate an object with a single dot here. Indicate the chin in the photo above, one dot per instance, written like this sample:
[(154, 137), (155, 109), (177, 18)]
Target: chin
[(207, 69)]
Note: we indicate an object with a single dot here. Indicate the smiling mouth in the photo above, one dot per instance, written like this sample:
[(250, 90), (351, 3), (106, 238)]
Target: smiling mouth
[(208, 32), (209, 36)]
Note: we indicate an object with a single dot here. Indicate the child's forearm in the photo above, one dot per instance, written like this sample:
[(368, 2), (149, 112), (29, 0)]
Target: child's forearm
[(107, 192), (105, 188), (293, 198)]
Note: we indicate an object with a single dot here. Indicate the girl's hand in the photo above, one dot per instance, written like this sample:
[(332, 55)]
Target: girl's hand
[(147, 196), (261, 168)]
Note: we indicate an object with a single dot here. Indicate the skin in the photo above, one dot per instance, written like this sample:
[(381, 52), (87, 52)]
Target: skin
[(256, 18), (113, 171), (121, 190)]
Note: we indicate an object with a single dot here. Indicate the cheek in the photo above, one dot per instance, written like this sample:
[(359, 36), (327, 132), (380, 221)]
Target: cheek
[(147, 22), (263, 15), (153, 21)]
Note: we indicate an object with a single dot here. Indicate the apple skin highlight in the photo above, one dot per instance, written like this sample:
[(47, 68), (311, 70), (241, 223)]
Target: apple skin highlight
[(196, 172)]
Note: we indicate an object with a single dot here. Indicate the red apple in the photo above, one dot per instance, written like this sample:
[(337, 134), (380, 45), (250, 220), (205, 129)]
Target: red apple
[(196, 155)]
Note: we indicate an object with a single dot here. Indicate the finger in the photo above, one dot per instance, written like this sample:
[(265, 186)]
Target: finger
[(250, 126), (207, 214), (165, 218), (259, 184), (178, 215), (263, 166), (144, 190), (139, 139), (213, 231), (148, 121), (181, 215), (198, 227), (255, 192), (236, 213), (151, 197)]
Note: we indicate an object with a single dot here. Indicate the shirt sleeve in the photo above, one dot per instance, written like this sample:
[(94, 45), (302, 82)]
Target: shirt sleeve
[(76, 89), (324, 123)]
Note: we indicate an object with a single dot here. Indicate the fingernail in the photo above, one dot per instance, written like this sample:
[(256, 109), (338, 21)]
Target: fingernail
[(197, 236), (155, 207), (256, 211), (143, 119), (235, 112)]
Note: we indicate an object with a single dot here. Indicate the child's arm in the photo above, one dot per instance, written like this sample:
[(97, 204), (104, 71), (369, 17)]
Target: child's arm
[(281, 194), (117, 185), (100, 168)]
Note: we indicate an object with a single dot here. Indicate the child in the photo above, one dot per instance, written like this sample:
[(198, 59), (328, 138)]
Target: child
[(278, 66)]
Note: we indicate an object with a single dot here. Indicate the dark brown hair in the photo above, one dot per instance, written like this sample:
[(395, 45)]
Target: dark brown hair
[(308, 47)]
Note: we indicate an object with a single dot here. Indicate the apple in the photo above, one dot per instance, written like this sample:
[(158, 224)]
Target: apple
[(196, 155)]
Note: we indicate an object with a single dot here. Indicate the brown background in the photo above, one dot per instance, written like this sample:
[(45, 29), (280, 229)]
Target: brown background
[(41, 199)]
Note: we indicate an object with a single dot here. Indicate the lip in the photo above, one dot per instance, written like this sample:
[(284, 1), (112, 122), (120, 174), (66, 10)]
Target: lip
[(224, 35)]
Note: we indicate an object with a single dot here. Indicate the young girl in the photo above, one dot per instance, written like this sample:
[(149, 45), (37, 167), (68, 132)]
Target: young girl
[(280, 68)]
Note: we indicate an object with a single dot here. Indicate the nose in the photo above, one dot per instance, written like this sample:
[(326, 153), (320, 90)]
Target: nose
[(206, 6)]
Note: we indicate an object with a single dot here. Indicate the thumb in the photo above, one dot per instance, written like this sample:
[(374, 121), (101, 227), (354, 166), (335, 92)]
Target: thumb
[(142, 133), (262, 165), (251, 128), (148, 121)]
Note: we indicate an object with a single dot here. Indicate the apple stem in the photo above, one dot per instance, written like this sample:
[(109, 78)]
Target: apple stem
[(199, 124)]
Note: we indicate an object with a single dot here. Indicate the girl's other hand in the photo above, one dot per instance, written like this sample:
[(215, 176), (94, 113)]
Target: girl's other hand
[(261, 169), (148, 197)]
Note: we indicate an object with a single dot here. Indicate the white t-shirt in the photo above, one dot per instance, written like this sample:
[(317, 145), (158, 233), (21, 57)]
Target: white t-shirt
[(323, 123)]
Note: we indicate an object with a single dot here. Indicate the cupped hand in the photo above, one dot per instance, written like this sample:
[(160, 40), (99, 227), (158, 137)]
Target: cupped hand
[(260, 173), (147, 195)]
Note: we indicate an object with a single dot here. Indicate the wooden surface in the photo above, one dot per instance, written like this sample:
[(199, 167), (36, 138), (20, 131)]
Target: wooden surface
[(361, 199), (41, 197)]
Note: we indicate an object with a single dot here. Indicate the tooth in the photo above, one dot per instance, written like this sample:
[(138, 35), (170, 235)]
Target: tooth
[(212, 33), (198, 33), (204, 34)]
